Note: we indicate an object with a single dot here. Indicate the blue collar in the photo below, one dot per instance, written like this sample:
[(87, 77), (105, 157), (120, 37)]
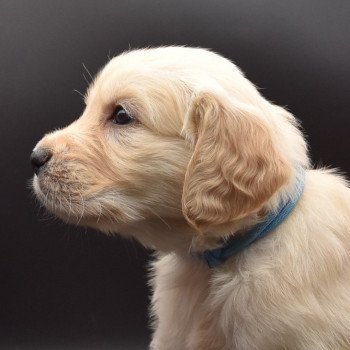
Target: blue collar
[(236, 244)]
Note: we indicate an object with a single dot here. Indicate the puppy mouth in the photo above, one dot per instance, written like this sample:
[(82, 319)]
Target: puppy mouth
[(59, 199), (75, 202)]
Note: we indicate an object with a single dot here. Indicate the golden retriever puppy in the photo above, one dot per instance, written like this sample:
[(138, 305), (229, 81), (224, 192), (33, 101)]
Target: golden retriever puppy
[(179, 150)]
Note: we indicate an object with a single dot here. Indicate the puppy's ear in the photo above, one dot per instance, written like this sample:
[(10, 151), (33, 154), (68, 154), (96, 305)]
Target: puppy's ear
[(235, 167)]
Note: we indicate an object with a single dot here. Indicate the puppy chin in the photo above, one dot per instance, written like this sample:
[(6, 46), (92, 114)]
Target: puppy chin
[(76, 211), (66, 209)]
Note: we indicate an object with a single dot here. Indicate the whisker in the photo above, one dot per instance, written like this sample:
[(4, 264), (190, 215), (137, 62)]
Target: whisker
[(99, 215), (81, 94), (90, 75), (83, 210), (70, 204), (87, 81), (157, 215)]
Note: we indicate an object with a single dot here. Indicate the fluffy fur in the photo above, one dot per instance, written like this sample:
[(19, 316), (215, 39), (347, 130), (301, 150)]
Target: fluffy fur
[(207, 157)]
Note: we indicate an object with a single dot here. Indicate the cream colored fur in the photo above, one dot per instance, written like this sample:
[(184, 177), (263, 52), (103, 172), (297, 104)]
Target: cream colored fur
[(208, 157)]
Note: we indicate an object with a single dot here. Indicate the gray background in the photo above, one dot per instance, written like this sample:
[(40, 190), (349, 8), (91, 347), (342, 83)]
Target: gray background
[(72, 288)]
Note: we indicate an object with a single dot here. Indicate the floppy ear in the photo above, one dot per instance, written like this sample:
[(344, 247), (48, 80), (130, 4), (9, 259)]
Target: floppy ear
[(235, 167)]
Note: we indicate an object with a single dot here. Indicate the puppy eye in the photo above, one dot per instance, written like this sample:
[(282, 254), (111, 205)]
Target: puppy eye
[(121, 117)]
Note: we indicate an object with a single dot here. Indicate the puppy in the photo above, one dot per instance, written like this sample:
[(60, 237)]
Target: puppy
[(177, 149)]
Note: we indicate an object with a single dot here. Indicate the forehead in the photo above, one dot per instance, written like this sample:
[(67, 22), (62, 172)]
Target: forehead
[(150, 84), (156, 85)]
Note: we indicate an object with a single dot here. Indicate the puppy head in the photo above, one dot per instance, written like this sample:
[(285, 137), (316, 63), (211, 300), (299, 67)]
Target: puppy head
[(168, 134), (122, 161)]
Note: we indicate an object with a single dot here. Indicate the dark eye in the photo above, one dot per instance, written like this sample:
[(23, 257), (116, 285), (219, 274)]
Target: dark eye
[(121, 116)]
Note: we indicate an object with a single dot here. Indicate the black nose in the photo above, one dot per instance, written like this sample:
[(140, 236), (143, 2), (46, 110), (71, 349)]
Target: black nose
[(40, 157)]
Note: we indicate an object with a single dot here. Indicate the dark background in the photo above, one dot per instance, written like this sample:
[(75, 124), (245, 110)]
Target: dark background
[(72, 288)]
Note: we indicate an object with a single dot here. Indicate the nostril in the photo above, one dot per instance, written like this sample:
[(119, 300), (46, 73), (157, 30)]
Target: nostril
[(40, 157)]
